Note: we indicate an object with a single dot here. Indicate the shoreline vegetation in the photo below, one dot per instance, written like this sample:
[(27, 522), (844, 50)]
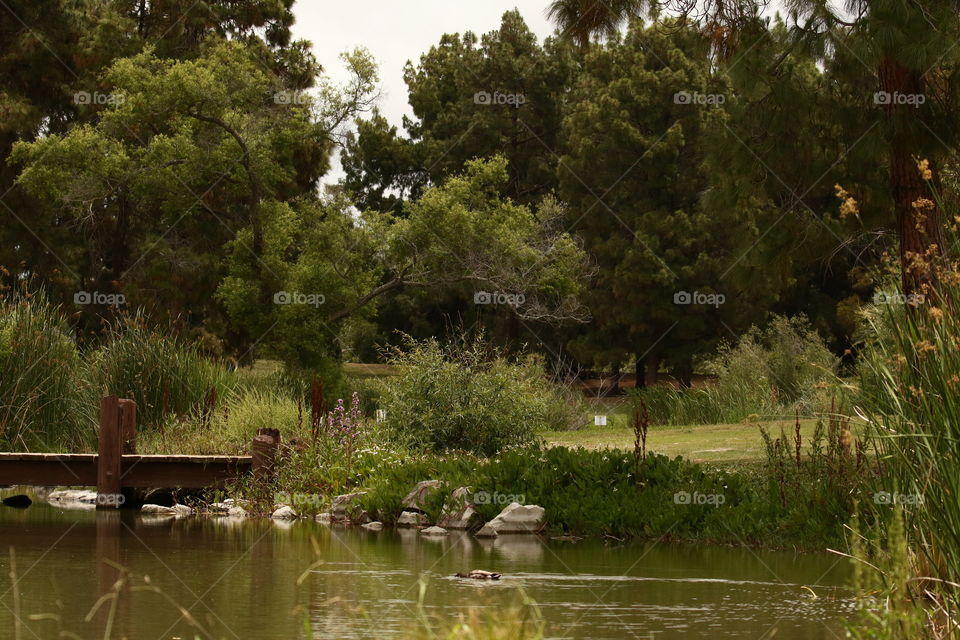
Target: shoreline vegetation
[(476, 422)]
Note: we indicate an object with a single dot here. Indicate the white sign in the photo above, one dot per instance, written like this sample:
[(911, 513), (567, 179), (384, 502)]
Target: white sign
[(599, 421)]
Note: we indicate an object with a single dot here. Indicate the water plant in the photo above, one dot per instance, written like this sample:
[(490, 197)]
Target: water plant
[(44, 402)]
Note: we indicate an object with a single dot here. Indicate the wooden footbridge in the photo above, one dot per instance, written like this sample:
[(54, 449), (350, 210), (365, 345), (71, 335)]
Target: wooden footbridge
[(117, 467)]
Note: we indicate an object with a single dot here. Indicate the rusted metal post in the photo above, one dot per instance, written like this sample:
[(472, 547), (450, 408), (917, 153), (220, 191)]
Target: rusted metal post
[(264, 451), (108, 454)]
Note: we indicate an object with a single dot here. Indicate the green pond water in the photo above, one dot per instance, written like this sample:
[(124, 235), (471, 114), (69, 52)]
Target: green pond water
[(253, 579)]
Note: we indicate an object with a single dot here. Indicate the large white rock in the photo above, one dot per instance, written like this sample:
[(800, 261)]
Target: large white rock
[(82, 496), (345, 507), (459, 512), (158, 510), (515, 518), (237, 512), (182, 510), (284, 513), (412, 519), (373, 526), (433, 531), (417, 498)]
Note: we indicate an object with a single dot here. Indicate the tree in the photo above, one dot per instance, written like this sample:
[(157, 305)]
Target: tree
[(581, 19), (635, 137), (472, 97), (328, 267), (186, 157), (907, 46)]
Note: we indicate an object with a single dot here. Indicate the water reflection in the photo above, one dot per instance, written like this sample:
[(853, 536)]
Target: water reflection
[(245, 578)]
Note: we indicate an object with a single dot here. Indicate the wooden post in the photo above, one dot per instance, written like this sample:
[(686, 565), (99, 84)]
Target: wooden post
[(264, 451), (128, 427), (108, 454)]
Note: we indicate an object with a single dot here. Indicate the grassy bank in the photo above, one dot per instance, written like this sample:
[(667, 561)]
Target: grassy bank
[(709, 443)]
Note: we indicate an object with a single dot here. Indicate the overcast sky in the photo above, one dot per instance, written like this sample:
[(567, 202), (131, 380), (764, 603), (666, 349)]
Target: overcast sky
[(395, 32)]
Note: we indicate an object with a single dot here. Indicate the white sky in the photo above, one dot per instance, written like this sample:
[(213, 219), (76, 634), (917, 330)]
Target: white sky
[(395, 32)]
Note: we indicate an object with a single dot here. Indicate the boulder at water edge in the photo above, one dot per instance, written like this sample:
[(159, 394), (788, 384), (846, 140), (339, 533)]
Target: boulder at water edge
[(158, 510), (433, 531), (373, 526), (347, 508), (515, 518), (284, 513), (459, 513), (412, 519), (417, 498)]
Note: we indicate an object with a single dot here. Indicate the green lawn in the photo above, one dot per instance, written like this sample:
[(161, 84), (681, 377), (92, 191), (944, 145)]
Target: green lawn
[(701, 443)]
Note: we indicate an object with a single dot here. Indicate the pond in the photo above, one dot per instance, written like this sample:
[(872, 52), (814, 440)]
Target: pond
[(261, 579)]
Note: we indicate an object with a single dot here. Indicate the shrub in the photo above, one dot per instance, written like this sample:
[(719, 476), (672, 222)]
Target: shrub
[(466, 397), (610, 492), (42, 403), (775, 371)]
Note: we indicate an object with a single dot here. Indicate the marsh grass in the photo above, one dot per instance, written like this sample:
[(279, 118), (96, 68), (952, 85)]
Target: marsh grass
[(44, 399), (164, 375), (522, 621)]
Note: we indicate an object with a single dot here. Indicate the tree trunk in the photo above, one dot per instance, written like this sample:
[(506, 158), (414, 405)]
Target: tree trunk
[(640, 374), (652, 366), (615, 382), (919, 227)]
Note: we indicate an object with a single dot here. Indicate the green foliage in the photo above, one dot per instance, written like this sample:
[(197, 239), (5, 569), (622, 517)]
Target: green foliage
[(909, 375), (636, 134), (819, 487), (888, 605), (609, 492), (779, 370), (466, 397), (43, 399), (165, 376)]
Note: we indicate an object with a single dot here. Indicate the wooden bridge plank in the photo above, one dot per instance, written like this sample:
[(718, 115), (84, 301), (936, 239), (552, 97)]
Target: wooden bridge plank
[(138, 471)]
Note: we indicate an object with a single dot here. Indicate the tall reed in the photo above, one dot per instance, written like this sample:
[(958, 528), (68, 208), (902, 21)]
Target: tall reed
[(909, 391), (42, 394), (165, 376)]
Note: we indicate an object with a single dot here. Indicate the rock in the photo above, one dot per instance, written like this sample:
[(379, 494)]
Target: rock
[(18, 501), (345, 508), (324, 518), (183, 510), (284, 513), (73, 495), (373, 526), (515, 518), (459, 513), (433, 531), (157, 510), (237, 512), (417, 498), (412, 519), (220, 507)]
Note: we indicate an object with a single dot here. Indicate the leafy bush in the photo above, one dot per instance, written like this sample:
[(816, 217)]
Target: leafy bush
[(467, 397), (42, 399), (610, 492), (164, 376), (783, 368)]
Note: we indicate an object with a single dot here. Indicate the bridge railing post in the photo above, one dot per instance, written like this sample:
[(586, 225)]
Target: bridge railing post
[(109, 454), (128, 426), (263, 450)]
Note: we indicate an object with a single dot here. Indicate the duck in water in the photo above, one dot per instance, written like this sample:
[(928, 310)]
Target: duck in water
[(479, 574)]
